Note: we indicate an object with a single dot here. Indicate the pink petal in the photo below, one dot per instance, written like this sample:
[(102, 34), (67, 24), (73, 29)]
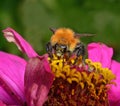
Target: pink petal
[(2, 104), (114, 93), (38, 80), (12, 70), (99, 52), (4, 96), (12, 36)]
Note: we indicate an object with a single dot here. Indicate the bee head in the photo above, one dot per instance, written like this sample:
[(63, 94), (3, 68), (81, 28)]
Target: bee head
[(60, 49)]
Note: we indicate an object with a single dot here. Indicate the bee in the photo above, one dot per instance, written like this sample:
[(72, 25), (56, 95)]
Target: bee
[(65, 41)]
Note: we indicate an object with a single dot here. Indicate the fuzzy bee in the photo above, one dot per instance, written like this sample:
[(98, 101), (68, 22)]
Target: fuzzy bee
[(65, 42)]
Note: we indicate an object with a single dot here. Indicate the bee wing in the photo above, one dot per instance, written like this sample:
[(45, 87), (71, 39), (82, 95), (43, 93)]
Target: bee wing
[(77, 35)]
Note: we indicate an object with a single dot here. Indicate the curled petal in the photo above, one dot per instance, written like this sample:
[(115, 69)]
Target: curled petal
[(38, 80), (99, 52), (12, 36), (12, 70), (114, 93)]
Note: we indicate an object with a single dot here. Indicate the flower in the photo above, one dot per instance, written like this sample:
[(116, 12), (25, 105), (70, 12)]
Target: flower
[(99, 52), (44, 80), (14, 87)]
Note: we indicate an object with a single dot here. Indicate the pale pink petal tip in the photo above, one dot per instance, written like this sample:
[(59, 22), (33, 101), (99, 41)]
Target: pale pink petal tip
[(12, 36)]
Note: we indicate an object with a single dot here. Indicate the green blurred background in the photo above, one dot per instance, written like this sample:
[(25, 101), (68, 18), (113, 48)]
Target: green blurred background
[(32, 19)]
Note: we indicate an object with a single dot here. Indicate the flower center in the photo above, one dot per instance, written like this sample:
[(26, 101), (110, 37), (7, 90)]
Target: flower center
[(78, 83)]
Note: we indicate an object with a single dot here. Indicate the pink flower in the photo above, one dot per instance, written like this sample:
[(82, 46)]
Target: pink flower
[(18, 86), (28, 83), (99, 52)]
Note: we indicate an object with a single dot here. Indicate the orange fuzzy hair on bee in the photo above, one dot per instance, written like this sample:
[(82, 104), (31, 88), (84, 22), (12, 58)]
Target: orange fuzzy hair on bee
[(65, 36)]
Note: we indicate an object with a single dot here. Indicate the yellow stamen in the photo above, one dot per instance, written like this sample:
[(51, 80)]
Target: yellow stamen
[(76, 83)]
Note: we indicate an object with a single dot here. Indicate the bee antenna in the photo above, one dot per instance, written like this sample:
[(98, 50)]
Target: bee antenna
[(52, 29), (80, 35)]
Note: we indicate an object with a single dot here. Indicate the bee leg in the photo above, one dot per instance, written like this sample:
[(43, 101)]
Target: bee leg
[(79, 51), (49, 49)]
